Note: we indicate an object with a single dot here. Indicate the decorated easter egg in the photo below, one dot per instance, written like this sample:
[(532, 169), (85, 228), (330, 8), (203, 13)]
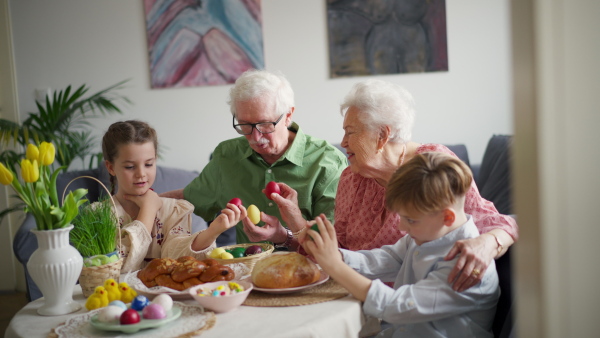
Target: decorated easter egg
[(216, 253), (154, 311), (238, 252), (314, 227), (236, 201), (226, 255), (129, 317), (110, 313), (139, 303), (253, 214), (252, 250), (271, 188), (119, 304), (163, 300)]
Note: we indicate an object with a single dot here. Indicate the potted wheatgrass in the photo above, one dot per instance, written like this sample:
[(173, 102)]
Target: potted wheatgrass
[(94, 236)]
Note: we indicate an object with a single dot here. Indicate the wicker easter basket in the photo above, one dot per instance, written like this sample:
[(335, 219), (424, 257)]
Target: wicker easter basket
[(94, 276), (249, 261)]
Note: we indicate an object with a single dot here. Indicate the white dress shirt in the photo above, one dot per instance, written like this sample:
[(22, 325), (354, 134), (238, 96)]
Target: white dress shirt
[(422, 302)]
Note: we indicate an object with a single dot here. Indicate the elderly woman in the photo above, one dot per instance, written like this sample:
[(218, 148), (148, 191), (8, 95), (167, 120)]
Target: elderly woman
[(378, 120)]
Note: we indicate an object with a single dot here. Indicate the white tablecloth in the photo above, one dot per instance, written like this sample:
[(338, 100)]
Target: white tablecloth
[(337, 318)]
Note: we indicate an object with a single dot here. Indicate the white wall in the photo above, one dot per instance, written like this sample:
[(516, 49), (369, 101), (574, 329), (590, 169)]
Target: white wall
[(99, 43)]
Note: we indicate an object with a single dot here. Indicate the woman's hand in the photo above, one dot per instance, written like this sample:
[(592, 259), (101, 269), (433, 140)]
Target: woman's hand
[(287, 202), (475, 256), (322, 245)]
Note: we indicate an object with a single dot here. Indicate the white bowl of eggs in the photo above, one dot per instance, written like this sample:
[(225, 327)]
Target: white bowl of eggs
[(221, 296)]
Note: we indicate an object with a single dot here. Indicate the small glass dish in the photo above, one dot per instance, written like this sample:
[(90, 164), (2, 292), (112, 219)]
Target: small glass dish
[(221, 303)]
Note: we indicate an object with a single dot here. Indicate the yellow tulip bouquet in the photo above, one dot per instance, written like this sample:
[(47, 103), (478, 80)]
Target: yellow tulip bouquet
[(38, 190)]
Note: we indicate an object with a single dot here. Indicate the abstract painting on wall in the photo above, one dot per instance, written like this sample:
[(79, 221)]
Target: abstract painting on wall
[(386, 36), (202, 42)]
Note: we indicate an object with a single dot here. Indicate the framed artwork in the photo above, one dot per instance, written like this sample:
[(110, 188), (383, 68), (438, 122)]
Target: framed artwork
[(202, 42), (386, 36)]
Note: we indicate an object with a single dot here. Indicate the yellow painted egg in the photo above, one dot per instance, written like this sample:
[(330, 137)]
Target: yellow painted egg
[(254, 214), (226, 255), (216, 253)]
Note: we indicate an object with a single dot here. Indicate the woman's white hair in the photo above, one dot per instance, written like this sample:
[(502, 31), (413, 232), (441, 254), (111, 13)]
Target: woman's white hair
[(262, 84), (383, 103)]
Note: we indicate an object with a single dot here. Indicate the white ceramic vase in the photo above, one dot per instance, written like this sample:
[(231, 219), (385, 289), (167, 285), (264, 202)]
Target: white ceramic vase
[(55, 267)]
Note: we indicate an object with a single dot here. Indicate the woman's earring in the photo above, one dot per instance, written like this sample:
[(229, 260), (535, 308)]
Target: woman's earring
[(380, 150)]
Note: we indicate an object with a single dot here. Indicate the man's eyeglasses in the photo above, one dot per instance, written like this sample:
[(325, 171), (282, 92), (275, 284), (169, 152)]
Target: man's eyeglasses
[(262, 127)]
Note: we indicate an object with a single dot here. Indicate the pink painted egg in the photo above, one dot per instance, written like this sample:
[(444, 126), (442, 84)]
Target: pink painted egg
[(154, 311)]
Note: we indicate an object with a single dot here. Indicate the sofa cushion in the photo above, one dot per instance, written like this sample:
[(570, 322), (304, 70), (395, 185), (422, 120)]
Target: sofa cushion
[(494, 179)]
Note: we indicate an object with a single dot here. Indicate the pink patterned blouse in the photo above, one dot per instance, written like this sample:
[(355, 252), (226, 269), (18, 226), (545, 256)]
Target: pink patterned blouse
[(362, 222)]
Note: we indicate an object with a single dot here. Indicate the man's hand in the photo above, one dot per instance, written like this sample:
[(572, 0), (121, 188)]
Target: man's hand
[(176, 194), (287, 202), (272, 230)]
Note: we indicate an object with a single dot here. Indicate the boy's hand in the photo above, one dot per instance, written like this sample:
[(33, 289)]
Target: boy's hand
[(322, 245)]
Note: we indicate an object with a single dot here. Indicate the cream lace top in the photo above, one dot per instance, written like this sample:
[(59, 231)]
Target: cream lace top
[(171, 235)]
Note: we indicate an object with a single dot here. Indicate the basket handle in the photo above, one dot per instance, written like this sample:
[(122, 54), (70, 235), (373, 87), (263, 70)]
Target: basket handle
[(109, 196)]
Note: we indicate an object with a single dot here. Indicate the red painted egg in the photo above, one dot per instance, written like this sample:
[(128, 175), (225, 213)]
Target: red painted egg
[(129, 317), (236, 201), (272, 187)]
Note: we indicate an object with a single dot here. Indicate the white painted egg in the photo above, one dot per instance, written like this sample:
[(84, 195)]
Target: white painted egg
[(163, 300), (110, 313)]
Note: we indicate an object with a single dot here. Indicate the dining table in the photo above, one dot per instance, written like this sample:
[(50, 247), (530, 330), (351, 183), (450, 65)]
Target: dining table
[(332, 312)]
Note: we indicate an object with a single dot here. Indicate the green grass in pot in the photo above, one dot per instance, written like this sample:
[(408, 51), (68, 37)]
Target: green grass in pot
[(94, 233)]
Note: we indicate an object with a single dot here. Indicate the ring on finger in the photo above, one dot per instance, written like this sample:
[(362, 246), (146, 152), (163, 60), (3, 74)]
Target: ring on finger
[(475, 273)]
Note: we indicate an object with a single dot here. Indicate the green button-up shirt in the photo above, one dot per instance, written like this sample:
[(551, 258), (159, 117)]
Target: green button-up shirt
[(311, 166)]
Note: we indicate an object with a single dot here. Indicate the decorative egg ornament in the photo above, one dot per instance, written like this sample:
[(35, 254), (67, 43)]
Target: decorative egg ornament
[(253, 214), (272, 187)]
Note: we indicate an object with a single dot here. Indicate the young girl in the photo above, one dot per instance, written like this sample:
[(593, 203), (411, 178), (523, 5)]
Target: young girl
[(152, 226)]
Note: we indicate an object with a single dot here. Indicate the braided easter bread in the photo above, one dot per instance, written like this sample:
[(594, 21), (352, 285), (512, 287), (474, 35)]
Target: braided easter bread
[(183, 273)]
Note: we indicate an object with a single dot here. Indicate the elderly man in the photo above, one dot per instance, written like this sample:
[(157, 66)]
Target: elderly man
[(272, 148)]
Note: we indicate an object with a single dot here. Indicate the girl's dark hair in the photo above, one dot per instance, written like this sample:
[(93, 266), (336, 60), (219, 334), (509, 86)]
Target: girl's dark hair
[(123, 133)]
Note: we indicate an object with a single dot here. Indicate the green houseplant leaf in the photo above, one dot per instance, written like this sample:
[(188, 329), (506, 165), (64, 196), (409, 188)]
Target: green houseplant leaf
[(63, 119)]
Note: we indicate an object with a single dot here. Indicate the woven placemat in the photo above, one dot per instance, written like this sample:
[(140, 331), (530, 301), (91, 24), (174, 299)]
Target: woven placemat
[(327, 291)]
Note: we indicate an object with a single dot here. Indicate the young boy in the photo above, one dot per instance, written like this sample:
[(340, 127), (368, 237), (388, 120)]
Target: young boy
[(428, 192)]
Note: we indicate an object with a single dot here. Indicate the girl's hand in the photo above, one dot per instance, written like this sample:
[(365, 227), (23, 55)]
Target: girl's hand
[(322, 245), (149, 204), (229, 217), (149, 200), (475, 257)]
